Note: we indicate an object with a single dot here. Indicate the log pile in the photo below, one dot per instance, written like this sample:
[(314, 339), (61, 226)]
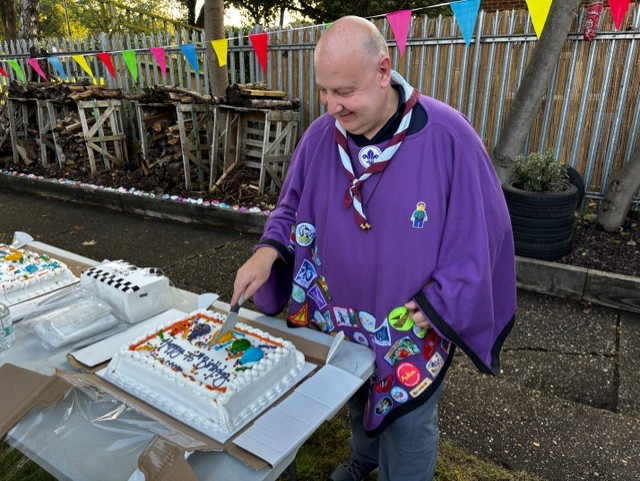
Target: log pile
[(160, 94), (163, 139), (257, 96), (71, 141), (62, 92), (5, 133)]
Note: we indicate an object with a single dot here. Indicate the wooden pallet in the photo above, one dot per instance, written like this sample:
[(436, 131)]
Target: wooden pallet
[(196, 134), (147, 112), (106, 133), (20, 111), (57, 110), (261, 139), (45, 133)]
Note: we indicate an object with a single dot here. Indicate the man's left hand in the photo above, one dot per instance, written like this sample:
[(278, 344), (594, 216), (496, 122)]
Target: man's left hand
[(416, 314)]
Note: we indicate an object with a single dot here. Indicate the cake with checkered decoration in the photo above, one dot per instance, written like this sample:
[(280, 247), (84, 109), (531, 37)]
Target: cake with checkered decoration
[(134, 293), (25, 275), (210, 386)]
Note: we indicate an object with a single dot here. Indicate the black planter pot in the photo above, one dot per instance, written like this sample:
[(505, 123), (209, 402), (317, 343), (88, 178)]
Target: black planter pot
[(542, 222)]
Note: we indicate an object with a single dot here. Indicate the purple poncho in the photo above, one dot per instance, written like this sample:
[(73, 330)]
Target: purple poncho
[(440, 234)]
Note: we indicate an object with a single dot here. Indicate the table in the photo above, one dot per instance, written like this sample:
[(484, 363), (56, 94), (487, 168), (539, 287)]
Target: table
[(78, 449)]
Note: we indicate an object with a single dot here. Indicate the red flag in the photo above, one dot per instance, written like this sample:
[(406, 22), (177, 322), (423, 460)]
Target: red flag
[(618, 9), (259, 43), (3, 72), (106, 60), (400, 22)]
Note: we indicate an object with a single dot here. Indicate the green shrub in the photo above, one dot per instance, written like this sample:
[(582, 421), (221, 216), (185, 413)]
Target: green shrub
[(540, 173)]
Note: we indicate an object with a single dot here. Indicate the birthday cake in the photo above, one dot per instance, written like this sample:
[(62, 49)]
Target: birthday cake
[(25, 275), (179, 370)]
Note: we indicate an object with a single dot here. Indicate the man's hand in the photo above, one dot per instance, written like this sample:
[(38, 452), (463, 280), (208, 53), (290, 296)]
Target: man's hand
[(416, 314), (253, 273)]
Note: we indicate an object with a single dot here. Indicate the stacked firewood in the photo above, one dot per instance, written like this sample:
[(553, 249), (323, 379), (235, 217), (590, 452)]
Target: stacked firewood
[(163, 138), (257, 96), (62, 92), (71, 141), (172, 94)]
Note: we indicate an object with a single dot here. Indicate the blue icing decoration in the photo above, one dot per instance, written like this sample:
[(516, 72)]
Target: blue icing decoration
[(31, 268), (253, 354)]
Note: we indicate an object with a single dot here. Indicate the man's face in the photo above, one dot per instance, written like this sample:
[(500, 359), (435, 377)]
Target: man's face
[(351, 90)]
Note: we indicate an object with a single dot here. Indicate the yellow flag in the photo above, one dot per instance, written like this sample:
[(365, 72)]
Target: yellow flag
[(539, 10), (220, 47), (83, 63)]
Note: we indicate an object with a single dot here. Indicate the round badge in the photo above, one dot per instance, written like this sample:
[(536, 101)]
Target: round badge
[(305, 234), (399, 319), (383, 406), (383, 385), (360, 338), (399, 395), (419, 331), (408, 374), (297, 294), (367, 320), (368, 155)]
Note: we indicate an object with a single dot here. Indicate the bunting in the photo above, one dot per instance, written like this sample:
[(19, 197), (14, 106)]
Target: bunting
[(55, 61), (129, 57), (158, 54), (83, 63), (105, 57), (189, 51), (17, 68), (220, 48), (400, 22), (618, 11), (3, 73), (539, 10), (259, 42), (465, 14), (36, 66)]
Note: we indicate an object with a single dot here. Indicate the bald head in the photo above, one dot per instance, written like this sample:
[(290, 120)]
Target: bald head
[(353, 36)]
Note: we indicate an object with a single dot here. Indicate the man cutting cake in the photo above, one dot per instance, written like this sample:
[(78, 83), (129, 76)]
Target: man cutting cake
[(391, 227)]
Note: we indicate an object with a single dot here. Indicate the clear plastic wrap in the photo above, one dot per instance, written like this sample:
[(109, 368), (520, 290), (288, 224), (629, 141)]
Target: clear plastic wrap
[(69, 318)]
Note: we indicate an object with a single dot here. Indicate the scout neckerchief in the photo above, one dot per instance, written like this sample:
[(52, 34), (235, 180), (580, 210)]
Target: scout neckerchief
[(353, 195)]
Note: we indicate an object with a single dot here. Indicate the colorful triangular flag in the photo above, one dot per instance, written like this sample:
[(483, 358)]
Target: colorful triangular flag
[(129, 57), (105, 57), (400, 22), (618, 10), (36, 66), (220, 47), (3, 72), (55, 61), (158, 54), (259, 42), (539, 11), (17, 68), (83, 63), (465, 14), (189, 51)]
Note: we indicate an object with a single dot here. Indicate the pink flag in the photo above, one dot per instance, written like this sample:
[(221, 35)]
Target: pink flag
[(259, 42), (34, 63), (106, 60), (618, 9), (158, 53), (3, 72), (400, 22)]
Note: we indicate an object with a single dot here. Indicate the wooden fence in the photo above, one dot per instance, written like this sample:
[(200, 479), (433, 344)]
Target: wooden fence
[(590, 116)]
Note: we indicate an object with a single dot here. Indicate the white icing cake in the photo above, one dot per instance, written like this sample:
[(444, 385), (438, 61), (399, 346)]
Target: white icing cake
[(25, 275), (134, 293), (177, 369)]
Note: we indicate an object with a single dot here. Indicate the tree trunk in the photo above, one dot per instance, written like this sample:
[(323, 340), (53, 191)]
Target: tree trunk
[(617, 199), (29, 20), (214, 30), (9, 20), (534, 84)]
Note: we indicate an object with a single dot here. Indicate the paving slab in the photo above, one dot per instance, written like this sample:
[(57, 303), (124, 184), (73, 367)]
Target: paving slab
[(559, 325), (526, 429), (629, 365)]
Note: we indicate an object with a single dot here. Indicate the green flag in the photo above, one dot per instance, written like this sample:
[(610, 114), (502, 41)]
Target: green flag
[(16, 66), (129, 57)]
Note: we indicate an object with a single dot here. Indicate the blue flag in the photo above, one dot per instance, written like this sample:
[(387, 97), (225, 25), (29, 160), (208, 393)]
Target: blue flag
[(466, 13), (189, 51), (55, 61)]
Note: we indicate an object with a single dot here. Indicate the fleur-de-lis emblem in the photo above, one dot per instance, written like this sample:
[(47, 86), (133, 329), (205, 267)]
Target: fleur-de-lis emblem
[(370, 156)]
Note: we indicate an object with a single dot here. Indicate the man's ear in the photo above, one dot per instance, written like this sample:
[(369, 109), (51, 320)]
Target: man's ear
[(384, 69)]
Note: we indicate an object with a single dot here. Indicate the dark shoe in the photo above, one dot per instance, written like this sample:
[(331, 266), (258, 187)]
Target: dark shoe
[(352, 470)]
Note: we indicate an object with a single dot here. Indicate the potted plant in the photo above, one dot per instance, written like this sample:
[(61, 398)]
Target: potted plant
[(541, 199)]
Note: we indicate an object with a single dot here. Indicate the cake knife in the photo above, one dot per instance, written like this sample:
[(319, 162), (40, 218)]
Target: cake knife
[(231, 320)]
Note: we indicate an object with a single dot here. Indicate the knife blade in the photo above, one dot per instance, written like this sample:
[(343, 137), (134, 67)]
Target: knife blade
[(231, 320)]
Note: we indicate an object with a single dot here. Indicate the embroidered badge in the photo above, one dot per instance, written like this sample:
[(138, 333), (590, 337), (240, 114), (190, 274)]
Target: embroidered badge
[(367, 320), (408, 374), (420, 332), (360, 338), (419, 216), (445, 345), (368, 155), (384, 384), (315, 294), (297, 294), (300, 318), (383, 406), (322, 284), (399, 319), (430, 344), (416, 391), (435, 364), (401, 349), (314, 255), (306, 274), (382, 336), (399, 395), (328, 321), (292, 234), (305, 234), (345, 316)]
